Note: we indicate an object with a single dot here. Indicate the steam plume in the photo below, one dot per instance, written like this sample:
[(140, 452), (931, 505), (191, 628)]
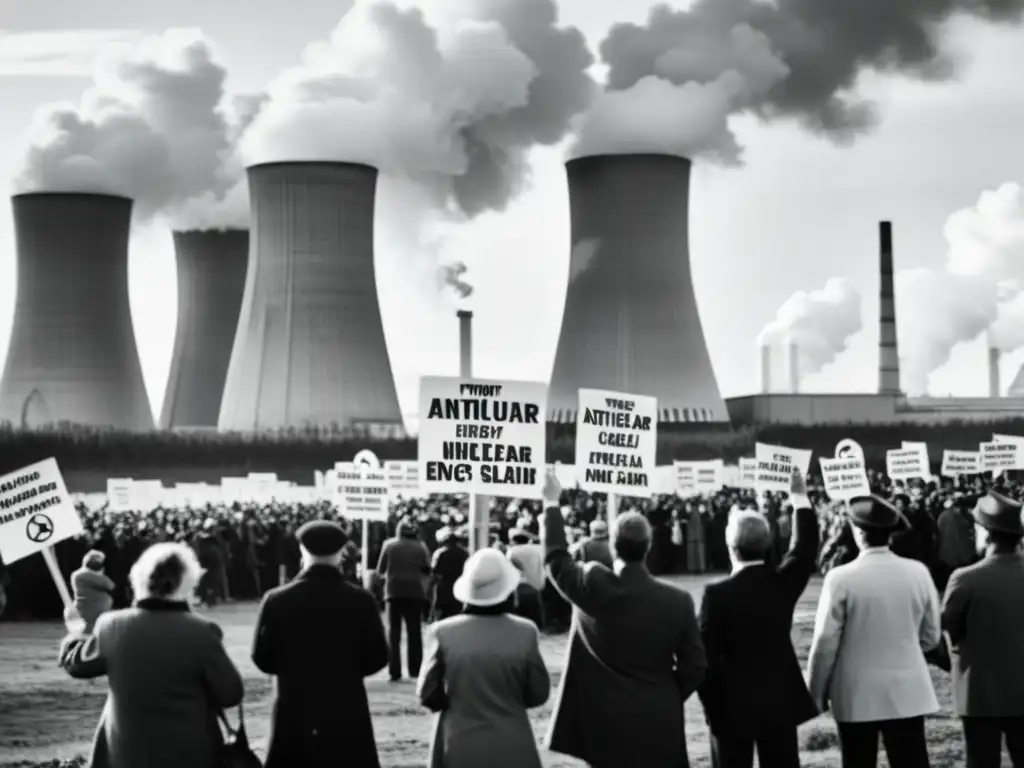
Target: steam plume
[(457, 98), (819, 322), (674, 81), (153, 126), (450, 276)]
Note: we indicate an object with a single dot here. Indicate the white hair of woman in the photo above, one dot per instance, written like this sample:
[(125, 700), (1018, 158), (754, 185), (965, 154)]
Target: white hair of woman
[(167, 571)]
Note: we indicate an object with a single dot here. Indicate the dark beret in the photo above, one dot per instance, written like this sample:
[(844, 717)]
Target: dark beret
[(322, 538)]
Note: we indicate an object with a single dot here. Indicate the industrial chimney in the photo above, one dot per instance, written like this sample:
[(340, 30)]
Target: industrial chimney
[(310, 347), (211, 280), (73, 355), (888, 351), (766, 369), (631, 322), (994, 388), (465, 343), (794, 368)]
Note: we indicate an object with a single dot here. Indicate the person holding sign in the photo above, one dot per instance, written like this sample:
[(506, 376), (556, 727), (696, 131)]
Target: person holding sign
[(877, 617), (635, 651), (754, 695)]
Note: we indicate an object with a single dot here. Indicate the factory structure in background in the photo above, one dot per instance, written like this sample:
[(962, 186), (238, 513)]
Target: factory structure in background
[(310, 347), (211, 267), (73, 357), (889, 405), (631, 322)]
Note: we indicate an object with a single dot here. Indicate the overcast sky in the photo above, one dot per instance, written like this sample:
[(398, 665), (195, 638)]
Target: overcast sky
[(799, 212)]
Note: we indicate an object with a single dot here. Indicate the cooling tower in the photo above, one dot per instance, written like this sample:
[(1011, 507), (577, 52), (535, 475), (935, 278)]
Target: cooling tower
[(631, 322), (211, 280), (994, 385), (888, 351), (310, 348), (73, 355)]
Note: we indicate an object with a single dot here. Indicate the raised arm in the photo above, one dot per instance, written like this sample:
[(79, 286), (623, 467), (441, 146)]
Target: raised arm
[(570, 578)]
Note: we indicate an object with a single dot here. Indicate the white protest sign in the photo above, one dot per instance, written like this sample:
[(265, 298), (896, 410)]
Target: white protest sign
[(119, 494), (996, 457), (698, 477), (664, 481), (261, 486), (908, 444), (616, 442), (1007, 439), (403, 478), (775, 465), (482, 437), (361, 492), (748, 473), (36, 511), (956, 463), (908, 463)]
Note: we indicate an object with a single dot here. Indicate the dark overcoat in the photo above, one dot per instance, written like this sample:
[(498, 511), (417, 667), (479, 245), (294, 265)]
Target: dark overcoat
[(168, 674), (635, 656), (320, 636)]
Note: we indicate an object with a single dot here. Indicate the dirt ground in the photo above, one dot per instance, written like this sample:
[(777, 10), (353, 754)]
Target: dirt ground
[(45, 715)]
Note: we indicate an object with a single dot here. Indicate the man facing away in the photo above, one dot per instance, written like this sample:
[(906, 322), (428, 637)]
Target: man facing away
[(93, 590), (635, 652), (320, 636), (983, 614), (957, 545), (877, 617), (528, 558), (404, 565), (594, 548), (754, 694), (446, 566)]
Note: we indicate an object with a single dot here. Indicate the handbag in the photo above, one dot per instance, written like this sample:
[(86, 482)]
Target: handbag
[(236, 752)]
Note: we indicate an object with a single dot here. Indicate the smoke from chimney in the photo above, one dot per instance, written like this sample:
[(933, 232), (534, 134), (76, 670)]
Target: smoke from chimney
[(994, 358), (450, 276), (794, 368), (674, 82), (766, 370), (465, 343), (888, 350)]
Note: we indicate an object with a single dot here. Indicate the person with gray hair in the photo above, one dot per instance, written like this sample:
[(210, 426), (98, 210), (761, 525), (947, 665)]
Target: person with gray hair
[(754, 695), (93, 591), (635, 652), (169, 676)]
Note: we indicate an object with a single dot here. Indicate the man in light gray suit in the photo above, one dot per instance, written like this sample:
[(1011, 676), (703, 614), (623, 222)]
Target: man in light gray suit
[(877, 616)]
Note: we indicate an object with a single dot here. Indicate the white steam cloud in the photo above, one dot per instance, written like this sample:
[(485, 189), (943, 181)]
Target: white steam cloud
[(458, 99), (819, 322), (154, 126)]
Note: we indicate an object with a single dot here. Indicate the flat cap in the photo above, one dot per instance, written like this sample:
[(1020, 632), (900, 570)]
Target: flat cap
[(322, 538)]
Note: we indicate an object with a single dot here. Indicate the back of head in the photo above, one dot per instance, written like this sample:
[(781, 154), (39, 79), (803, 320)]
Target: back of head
[(166, 571), (632, 537), (94, 560), (748, 535)]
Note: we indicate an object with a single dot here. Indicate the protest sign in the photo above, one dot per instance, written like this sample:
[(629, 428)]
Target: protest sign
[(362, 493), (482, 437), (694, 478), (908, 463), (403, 478), (955, 463), (997, 457), (775, 465), (908, 445), (36, 511), (260, 486), (1007, 439), (664, 481), (616, 442), (119, 494), (748, 473)]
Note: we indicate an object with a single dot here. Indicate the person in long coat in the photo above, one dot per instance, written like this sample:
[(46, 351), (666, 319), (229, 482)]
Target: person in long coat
[(483, 672), (635, 652), (696, 561), (168, 672), (320, 636), (983, 614)]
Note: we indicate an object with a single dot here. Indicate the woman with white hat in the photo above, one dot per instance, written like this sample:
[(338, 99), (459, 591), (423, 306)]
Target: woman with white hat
[(482, 673)]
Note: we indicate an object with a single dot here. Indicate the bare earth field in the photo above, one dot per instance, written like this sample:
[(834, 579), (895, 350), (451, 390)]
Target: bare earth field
[(45, 715)]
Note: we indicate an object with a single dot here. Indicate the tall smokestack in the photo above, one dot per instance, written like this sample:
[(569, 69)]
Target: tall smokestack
[(794, 368), (73, 355), (465, 343), (888, 351), (994, 388), (631, 322), (211, 280), (310, 347), (766, 369)]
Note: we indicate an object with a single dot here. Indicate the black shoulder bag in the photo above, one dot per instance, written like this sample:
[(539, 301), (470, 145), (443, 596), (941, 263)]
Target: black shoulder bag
[(236, 752)]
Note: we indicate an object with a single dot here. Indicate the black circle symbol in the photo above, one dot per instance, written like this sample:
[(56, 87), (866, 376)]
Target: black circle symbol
[(39, 528)]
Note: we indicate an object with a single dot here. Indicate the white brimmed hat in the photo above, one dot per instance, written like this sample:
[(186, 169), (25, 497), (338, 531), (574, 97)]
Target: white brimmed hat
[(488, 578)]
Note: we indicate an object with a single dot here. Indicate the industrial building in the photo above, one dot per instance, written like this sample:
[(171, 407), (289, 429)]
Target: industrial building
[(310, 348), (211, 266), (890, 405), (73, 357), (631, 322)]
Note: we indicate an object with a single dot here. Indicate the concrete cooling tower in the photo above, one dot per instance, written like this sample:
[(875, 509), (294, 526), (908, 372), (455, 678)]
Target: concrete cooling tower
[(310, 348), (211, 281), (631, 322), (73, 355)]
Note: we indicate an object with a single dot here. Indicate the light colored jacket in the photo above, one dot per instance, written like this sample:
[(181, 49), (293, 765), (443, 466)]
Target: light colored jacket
[(491, 672), (93, 595), (877, 616)]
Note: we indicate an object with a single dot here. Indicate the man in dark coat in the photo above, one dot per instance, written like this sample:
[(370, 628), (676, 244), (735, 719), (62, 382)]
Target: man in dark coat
[(446, 565), (404, 566), (754, 694), (320, 636), (635, 653), (983, 612)]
